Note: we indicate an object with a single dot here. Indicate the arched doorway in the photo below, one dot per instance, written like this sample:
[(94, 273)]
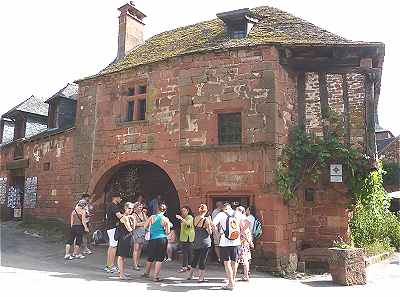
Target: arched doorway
[(138, 177)]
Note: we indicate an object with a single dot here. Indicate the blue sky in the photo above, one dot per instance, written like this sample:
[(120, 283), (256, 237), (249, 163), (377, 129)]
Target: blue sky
[(46, 44)]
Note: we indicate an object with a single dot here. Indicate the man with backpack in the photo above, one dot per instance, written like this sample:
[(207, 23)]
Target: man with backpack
[(229, 224)]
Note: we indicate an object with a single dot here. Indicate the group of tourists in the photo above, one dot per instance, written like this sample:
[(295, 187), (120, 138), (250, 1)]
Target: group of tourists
[(134, 226)]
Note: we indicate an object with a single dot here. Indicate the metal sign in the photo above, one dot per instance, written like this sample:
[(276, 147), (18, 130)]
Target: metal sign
[(336, 173)]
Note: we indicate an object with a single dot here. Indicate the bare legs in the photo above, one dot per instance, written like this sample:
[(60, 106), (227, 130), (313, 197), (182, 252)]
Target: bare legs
[(111, 256), (137, 250), (77, 249), (246, 270), (231, 270), (121, 267), (67, 249), (157, 269), (218, 253)]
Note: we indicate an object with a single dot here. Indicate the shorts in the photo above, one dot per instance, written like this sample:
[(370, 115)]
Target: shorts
[(173, 246), (216, 237), (157, 250), (111, 241), (76, 235), (230, 253)]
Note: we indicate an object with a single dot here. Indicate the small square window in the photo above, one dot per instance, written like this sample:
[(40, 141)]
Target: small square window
[(131, 91), (46, 166), (230, 128)]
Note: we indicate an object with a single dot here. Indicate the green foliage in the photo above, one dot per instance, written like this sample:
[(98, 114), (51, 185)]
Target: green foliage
[(373, 226), (342, 244), (392, 176), (307, 156), (378, 247), (372, 222)]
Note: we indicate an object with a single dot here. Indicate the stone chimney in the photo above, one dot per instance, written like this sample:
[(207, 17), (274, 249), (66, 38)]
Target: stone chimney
[(130, 29)]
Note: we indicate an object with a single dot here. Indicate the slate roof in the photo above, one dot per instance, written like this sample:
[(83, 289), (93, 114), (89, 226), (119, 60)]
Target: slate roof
[(274, 27), (33, 105), (70, 91), (8, 132), (382, 143)]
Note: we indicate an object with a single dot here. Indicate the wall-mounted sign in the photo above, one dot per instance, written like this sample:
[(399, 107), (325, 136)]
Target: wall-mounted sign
[(336, 173), (30, 192), (12, 197), (3, 190), (17, 213)]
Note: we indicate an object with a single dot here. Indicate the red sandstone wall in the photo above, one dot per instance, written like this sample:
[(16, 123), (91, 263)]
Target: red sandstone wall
[(54, 196), (184, 97)]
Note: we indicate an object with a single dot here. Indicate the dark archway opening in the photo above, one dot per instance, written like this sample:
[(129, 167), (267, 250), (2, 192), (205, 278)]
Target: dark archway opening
[(145, 178)]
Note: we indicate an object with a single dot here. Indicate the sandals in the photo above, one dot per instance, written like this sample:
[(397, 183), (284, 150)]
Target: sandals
[(136, 268), (145, 275), (183, 269), (157, 279)]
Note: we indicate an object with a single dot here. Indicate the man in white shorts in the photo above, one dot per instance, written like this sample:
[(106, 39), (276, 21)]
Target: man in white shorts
[(112, 220)]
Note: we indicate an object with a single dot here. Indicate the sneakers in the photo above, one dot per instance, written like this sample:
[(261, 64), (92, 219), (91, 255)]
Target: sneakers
[(80, 256), (68, 257), (88, 252), (111, 270)]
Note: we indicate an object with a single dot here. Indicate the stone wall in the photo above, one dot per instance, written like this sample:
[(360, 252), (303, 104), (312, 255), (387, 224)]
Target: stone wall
[(180, 133), (346, 95), (50, 161)]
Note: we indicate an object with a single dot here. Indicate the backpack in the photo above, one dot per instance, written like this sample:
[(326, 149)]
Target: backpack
[(232, 230), (257, 229)]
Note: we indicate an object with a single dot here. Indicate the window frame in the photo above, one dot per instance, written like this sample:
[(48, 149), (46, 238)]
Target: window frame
[(239, 135), (134, 94)]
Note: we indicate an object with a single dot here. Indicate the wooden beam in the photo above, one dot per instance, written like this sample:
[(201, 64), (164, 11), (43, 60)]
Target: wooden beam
[(345, 87), (323, 95), (320, 61), (301, 104), (370, 115)]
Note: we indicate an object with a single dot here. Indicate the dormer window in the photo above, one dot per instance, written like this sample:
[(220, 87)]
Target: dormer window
[(237, 23)]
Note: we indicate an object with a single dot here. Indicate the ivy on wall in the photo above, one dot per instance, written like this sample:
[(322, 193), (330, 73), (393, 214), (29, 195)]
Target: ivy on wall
[(306, 156)]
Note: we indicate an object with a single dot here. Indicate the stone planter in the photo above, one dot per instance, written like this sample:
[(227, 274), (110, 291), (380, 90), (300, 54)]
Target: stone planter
[(347, 266)]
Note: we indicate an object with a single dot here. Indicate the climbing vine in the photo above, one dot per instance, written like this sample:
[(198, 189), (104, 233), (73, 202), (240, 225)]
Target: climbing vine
[(306, 158)]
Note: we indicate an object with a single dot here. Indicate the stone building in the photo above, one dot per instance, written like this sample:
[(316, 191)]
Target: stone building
[(199, 114), (389, 152)]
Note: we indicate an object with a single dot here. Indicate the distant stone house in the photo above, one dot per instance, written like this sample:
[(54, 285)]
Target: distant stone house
[(199, 115), (389, 152)]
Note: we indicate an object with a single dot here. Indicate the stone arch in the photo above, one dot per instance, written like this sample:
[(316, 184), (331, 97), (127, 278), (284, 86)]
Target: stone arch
[(150, 167), (111, 165)]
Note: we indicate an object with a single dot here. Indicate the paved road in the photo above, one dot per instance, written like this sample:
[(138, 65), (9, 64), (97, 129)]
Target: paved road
[(33, 265)]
